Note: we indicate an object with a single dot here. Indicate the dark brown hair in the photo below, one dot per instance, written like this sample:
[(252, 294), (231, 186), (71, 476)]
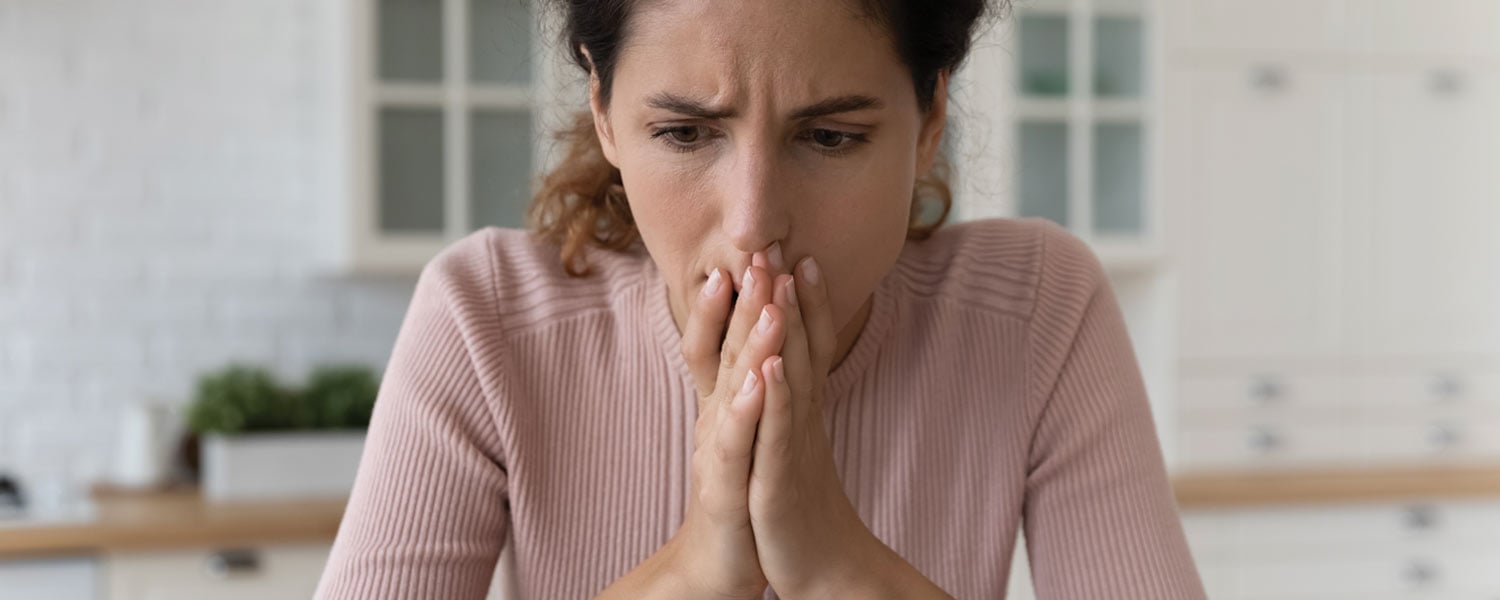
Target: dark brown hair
[(581, 202)]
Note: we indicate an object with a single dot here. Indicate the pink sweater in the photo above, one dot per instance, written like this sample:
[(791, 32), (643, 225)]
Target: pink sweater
[(994, 386)]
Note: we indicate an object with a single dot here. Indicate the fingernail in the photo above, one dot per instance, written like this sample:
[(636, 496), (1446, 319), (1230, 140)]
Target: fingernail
[(765, 321), (774, 254), (810, 271), (777, 371), (746, 289), (749, 383), (713, 284), (791, 292)]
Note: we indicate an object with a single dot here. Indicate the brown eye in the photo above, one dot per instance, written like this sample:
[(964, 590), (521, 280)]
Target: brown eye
[(827, 138), (683, 135)]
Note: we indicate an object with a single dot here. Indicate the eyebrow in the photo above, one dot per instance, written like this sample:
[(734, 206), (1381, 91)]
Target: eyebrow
[(694, 108)]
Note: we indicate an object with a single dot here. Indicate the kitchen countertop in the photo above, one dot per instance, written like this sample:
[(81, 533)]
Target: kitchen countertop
[(168, 520), (117, 522), (1310, 486)]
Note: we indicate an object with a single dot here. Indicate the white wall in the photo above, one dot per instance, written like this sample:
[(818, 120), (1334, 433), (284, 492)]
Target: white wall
[(160, 163)]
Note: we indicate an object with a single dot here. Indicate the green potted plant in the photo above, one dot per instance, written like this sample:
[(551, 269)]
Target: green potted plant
[(260, 439)]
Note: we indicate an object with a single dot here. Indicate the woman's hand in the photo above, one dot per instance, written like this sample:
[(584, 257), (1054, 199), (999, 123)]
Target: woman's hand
[(715, 550), (713, 553), (808, 535)]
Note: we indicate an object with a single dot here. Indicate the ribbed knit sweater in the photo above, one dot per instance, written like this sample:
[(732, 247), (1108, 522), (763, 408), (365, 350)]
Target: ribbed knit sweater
[(993, 387)]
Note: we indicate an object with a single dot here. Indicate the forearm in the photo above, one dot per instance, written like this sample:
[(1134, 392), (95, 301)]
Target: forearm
[(883, 574), (650, 579)]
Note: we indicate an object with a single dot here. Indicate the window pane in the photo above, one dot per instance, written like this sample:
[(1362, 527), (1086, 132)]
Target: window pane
[(500, 145), (500, 41), (411, 40), (1117, 57), (1044, 55), (1117, 178), (1044, 171), (411, 170)]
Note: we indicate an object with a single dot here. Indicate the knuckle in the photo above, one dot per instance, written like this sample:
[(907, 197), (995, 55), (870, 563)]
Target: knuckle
[(694, 353), (726, 454)]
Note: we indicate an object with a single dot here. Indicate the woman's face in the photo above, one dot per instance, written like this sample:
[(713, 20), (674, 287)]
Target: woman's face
[(739, 124)]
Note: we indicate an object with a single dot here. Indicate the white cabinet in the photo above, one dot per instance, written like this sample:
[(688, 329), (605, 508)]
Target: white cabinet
[(1377, 550), (254, 573), (1333, 194), (1333, 201), (1424, 249), (51, 578), (1256, 216)]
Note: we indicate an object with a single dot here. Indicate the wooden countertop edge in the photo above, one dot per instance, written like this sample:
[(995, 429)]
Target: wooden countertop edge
[(181, 519), (1316, 486), (174, 520)]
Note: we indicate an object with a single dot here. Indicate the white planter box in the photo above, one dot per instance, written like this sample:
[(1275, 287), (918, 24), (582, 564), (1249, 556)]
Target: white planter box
[(262, 466)]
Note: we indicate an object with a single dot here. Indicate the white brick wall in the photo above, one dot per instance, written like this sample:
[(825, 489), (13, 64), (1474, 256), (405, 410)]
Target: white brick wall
[(160, 162)]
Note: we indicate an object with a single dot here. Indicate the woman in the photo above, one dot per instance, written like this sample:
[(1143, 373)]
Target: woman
[(756, 385)]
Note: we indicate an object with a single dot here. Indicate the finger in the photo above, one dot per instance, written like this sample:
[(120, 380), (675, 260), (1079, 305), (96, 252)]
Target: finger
[(817, 318), (734, 446), (770, 259), (700, 339), (798, 359), (774, 439), (755, 293)]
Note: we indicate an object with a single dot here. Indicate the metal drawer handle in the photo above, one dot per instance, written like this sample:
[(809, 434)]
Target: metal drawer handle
[(1421, 572), (1269, 78), (232, 562), (1445, 82), (1266, 388), (1421, 517), (1443, 436), (1446, 386), (1265, 439)]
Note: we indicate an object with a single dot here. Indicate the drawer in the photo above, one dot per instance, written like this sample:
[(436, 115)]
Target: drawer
[(1263, 391), (1430, 389), (1268, 445), (1405, 575), (1425, 526), (1431, 441), (255, 573), (50, 578)]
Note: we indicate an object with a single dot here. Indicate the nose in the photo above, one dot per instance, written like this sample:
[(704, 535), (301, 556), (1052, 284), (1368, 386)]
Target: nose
[(758, 202)]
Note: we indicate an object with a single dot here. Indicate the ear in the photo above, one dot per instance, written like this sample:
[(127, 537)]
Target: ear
[(602, 126), (931, 136)]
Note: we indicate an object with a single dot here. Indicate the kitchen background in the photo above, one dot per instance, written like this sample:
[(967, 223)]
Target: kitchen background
[(1298, 202)]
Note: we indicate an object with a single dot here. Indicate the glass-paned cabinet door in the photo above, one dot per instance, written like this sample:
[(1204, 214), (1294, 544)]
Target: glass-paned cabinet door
[(1119, 70), (500, 42), (500, 148), (454, 91), (1118, 167), (1081, 116), (1043, 54), (409, 40), (1043, 170), (410, 168)]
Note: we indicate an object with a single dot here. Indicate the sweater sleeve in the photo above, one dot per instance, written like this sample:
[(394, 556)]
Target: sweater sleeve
[(428, 514), (1101, 520)]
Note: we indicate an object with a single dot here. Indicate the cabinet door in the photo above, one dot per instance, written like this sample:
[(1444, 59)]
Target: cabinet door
[(1240, 25), (1468, 29), (284, 571), (1256, 152), (1424, 250), (50, 578)]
